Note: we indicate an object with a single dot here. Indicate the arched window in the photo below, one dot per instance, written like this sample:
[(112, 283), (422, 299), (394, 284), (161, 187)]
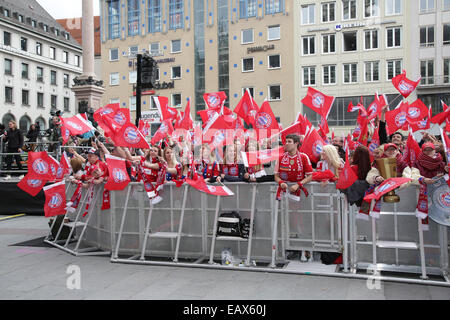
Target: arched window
[(24, 123), (41, 122), (7, 118)]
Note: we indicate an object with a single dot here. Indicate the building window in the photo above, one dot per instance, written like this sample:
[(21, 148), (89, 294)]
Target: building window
[(247, 9), (350, 41), (309, 45), (348, 9), (273, 33), (154, 48), (40, 100), (309, 76), (113, 19), (23, 44), (53, 77), (132, 103), (393, 7), (308, 14), (8, 66), (426, 6), (393, 37), (6, 13), (39, 48), (53, 101), (176, 72), (114, 54), (39, 74), (329, 74), (20, 18), (371, 8), (66, 80), (77, 60), (175, 14), (8, 94), (446, 70), (33, 23), (6, 38), (176, 46), (25, 100), (134, 14), (427, 36), (132, 77), (154, 16), (329, 43), (45, 28), (246, 36), (372, 71), (66, 104), (65, 56), (371, 39), (57, 32), (24, 71), (52, 53), (427, 72), (114, 79), (274, 61), (176, 100), (446, 4), (66, 36), (446, 38), (274, 93), (274, 6), (328, 11), (394, 68), (247, 64), (114, 101), (350, 72)]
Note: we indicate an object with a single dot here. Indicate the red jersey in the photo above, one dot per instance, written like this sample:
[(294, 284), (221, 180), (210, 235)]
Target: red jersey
[(209, 170), (231, 170), (147, 173), (294, 168), (91, 168)]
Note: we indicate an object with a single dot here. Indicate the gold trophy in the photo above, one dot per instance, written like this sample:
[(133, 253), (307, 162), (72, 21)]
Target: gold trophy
[(388, 169)]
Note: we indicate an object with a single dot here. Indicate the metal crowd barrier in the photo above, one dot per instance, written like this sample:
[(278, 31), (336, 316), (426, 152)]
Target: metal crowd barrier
[(182, 232)]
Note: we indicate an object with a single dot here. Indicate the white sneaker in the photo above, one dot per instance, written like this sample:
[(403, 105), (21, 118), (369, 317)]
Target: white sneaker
[(8, 177)]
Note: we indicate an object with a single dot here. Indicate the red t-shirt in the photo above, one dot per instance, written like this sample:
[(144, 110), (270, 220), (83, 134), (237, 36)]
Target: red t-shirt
[(294, 168), (231, 170)]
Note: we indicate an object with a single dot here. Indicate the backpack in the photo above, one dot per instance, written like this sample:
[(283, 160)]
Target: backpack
[(229, 224)]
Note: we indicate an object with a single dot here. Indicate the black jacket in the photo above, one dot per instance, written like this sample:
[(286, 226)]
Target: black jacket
[(32, 135), (14, 139)]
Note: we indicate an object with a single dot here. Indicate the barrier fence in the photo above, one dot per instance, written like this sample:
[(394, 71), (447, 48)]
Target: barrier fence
[(181, 231)]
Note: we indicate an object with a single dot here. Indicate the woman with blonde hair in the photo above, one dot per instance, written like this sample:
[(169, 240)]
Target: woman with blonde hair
[(330, 160)]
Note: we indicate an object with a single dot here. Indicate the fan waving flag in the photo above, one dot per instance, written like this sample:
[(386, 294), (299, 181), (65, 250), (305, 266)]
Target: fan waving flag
[(130, 136), (266, 124), (312, 146), (30, 185), (318, 102), (404, 85), (55, 199), (166, 112), (215, 100), (77, 125), (199, 183), (247, 108), (118, 177), (346, 176), (39, 166)]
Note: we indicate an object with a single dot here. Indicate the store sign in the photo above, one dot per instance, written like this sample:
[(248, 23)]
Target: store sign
[(339, 27), (151, 116), (164, 85), (260, 48)]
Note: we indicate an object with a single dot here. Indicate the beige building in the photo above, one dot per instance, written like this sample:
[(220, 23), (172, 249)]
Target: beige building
[(200, 46)]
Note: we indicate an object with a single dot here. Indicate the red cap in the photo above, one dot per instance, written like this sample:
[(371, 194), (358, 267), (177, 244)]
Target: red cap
[(428, 145), (388, 145)]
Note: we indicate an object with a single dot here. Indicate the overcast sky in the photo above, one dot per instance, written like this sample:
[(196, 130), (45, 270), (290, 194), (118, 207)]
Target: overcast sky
[(60, 9)]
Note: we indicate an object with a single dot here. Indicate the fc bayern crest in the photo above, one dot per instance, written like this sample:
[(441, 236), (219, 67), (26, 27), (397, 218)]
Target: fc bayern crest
[(163, 128), (414, 112), (372, 109), (118, 175), (40, 166), (263, 121), (74, 125), (213, 100), (423, 205), (405, 87), (106, 111), (373, 146), (131, 136), (318, 100), (120, 118), (317, 148), (439, 194), (212, 188), (55, 201), (400, 119), (59, 172), (384, 187), (34, 183)]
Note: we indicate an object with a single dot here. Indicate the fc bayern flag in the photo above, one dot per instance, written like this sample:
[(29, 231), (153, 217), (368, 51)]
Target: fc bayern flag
[(145, 127), (359, 107), (417, 111), (304, 122), (215, 100), (164, 129), (313, 145), (266, 124), (318, 102), (65, 133), (423, 124), (56, 169), (65, 164), (118, 177), (199, 183), (55, 199), (253, 158), (186, 121), (374, 143), (387, 185), (446, 143), (166, 112), (404, 85), (346, 176), (443, 116), (217, 132), (376, 106), (109, 109), (295, 128), (412, 150), (130, 136), (247, 108), (39, 165), (397, 119), (31, 185), (77, 125)]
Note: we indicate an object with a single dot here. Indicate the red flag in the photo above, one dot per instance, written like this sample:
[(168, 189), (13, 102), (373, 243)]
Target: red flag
[(323, 124), (166, 112), (77, 125), (424, 124), (164, 129), (145, 127), (186, 121), (55, 199), (318, 102), (387, 185), (443, 116), (359, 107), (56, 169), (446, 143), (130, 136), (30, 185), (312, 146), (304, 123), (118, 177), (215, 100), (295, 128), (65, 164), (376, 107), (65, 133), (412, 150), (347, 176), (404, 85), (39, 166), (254, 158), (417, 111), (397, 119), (199, 183), (374, 143), (350, 144), (266, 124), (108, 110), (217, 132), (362, 131), (247, 108)]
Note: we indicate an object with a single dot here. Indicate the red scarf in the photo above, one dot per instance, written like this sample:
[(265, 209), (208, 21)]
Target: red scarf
[(428, 166)]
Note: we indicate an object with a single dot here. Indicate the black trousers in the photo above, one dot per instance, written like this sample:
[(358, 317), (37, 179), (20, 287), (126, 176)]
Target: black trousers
[(9, 158)]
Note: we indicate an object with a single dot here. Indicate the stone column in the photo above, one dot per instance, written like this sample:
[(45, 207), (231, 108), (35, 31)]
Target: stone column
[(88, 39)]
